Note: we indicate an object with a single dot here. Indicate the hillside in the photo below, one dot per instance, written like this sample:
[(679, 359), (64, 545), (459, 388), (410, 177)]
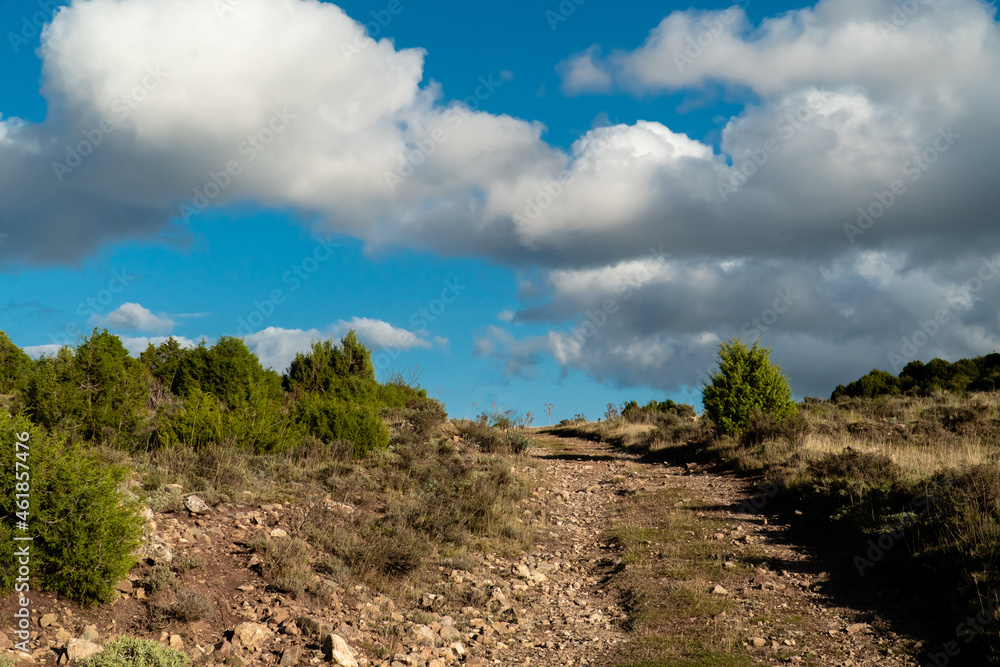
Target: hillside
[(192, 505)]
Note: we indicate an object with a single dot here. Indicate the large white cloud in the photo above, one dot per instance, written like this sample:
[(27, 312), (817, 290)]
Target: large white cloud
[(855, 112)]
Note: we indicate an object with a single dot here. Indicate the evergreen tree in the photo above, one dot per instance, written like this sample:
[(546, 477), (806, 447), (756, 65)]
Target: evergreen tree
[(15, 366), (745, 384)]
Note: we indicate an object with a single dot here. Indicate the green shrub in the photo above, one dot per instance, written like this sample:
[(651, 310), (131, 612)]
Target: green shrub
[(868, 469), (84, 528), (330, 420), (746, 383), (133, 652), (15, 366), (632, 412), (964, 509), (862, 486), (96, 391)]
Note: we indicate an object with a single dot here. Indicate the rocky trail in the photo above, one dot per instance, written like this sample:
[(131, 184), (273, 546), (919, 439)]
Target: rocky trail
[(557, 604)]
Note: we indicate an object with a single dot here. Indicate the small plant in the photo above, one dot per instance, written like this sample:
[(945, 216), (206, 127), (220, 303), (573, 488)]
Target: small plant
[(134, 652), (191, 606), (183, 563), (285, 563), (159, 578)]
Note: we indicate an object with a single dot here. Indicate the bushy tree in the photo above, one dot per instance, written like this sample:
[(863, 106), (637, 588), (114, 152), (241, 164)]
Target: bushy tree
[(96, 391), (329, 368), (228, 370), (876, 383), (84, 527), (15, 366), (330, 419), (746, 383), (165, 362)]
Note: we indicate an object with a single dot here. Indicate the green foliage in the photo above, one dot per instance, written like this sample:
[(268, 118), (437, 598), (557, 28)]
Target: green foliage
[(133, 652), (327, 366), (165, 363), (97, 391), (220, 395), (978, 374), (745, 384), (331, 419), (633, 412), (83, 526), (228, 370), (15, 366), (258, 423), (876, 383)]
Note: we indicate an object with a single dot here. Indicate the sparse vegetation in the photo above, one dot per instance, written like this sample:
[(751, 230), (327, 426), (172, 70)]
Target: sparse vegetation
[(211, 418), (669, 566), (920, 467), (133, 652)]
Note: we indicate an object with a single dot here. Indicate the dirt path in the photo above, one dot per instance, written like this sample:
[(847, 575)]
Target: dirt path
[(690, 577), (777, 607)]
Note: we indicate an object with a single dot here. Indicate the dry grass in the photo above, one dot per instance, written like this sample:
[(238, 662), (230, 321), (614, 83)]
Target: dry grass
[(414, 504), (669, 564)]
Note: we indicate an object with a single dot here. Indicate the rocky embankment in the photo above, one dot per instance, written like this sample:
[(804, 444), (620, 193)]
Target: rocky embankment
[(553, 605)]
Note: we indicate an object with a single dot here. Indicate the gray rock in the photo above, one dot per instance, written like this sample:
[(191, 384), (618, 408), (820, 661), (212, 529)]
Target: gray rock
[(290, 656), (251, 635), (196, 505), (450, 634), (158, 552), (337, 650), (90, 633), (424, 636), (81, 649)]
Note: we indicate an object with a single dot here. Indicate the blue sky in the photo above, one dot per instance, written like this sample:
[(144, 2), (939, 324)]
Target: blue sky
[(581, 233)]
